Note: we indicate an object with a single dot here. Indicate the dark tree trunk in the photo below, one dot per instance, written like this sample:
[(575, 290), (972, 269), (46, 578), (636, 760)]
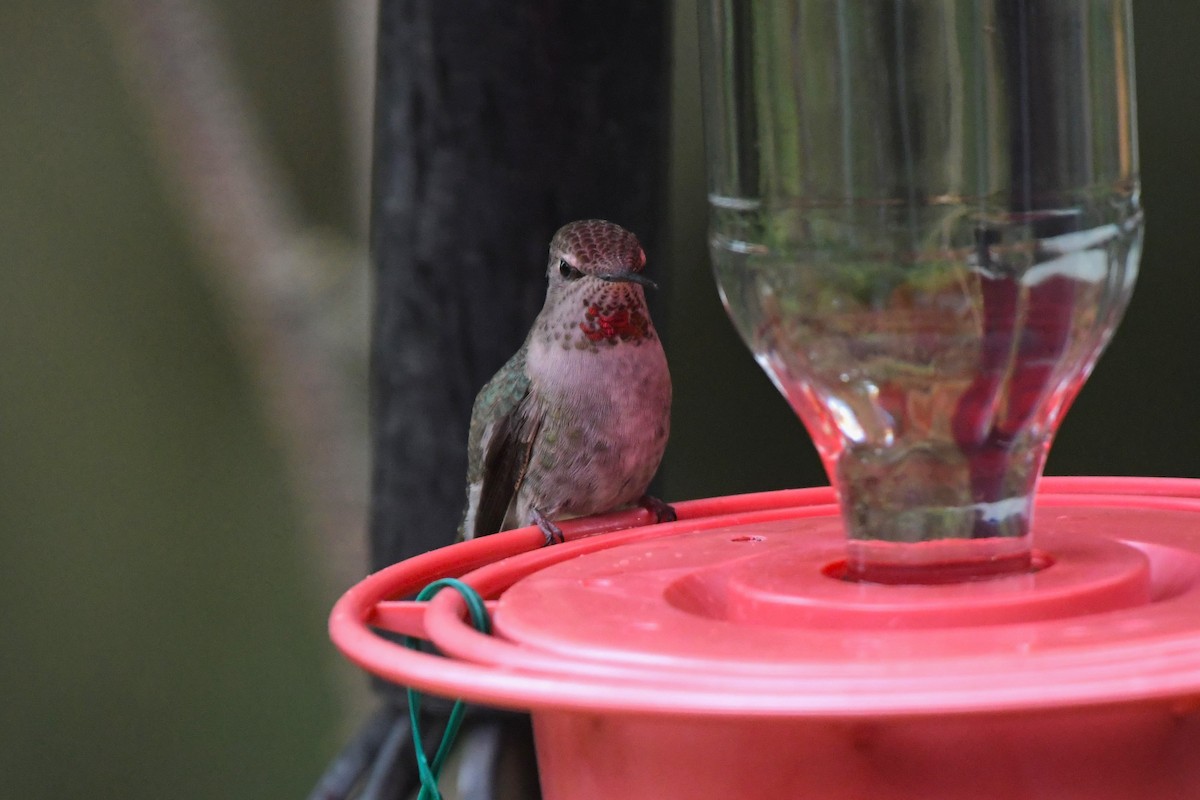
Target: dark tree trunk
[(496, 121)]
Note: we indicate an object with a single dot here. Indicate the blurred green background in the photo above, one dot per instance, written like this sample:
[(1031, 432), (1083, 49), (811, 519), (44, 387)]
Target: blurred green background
[(163, 625)]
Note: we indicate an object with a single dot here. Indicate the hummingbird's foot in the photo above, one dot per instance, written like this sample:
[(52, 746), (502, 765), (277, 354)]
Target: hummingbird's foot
[(553, 533), (661, 511)]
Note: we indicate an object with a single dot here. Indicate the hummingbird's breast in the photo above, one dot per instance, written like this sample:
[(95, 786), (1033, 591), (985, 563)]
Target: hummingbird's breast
[(606, 409)]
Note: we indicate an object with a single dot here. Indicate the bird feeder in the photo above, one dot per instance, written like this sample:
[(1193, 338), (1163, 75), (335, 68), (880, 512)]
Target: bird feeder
[(926, 225)]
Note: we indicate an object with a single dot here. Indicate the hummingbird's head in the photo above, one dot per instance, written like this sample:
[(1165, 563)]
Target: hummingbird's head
[(596, 285), (597, 250)]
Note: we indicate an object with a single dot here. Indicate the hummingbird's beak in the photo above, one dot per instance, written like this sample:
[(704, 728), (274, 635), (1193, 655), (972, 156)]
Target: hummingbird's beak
[(629, 277)]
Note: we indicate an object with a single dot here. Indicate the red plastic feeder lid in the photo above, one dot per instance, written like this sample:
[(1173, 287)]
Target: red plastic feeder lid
[(737, 609)]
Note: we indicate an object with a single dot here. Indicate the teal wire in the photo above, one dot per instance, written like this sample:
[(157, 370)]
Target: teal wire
[(429, 772)]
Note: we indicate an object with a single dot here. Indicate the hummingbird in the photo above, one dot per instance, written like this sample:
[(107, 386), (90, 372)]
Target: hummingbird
[(575, 423)]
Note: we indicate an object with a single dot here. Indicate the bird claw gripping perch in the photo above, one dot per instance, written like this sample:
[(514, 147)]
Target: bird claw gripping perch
[(663, 512), (553, 533)]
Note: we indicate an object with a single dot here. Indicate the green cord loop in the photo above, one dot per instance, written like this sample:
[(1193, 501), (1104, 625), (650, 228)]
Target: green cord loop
[(479, 618)]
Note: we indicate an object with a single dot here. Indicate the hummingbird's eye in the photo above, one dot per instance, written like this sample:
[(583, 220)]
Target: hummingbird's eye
[(567, 271)]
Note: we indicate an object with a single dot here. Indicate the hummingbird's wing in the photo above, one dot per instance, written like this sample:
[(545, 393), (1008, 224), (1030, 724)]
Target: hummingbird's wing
[(504, 465), (505, 423)]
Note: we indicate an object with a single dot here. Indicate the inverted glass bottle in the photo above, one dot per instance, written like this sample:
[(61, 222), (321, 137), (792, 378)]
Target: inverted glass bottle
[(926, 225)]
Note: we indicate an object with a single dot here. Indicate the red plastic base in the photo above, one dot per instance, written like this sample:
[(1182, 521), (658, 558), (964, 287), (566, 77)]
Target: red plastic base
[(722, 656), (1128, 752)]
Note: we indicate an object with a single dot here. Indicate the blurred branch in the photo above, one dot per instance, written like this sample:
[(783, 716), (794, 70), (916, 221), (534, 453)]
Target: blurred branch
[(296, 302), (357, 24)]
